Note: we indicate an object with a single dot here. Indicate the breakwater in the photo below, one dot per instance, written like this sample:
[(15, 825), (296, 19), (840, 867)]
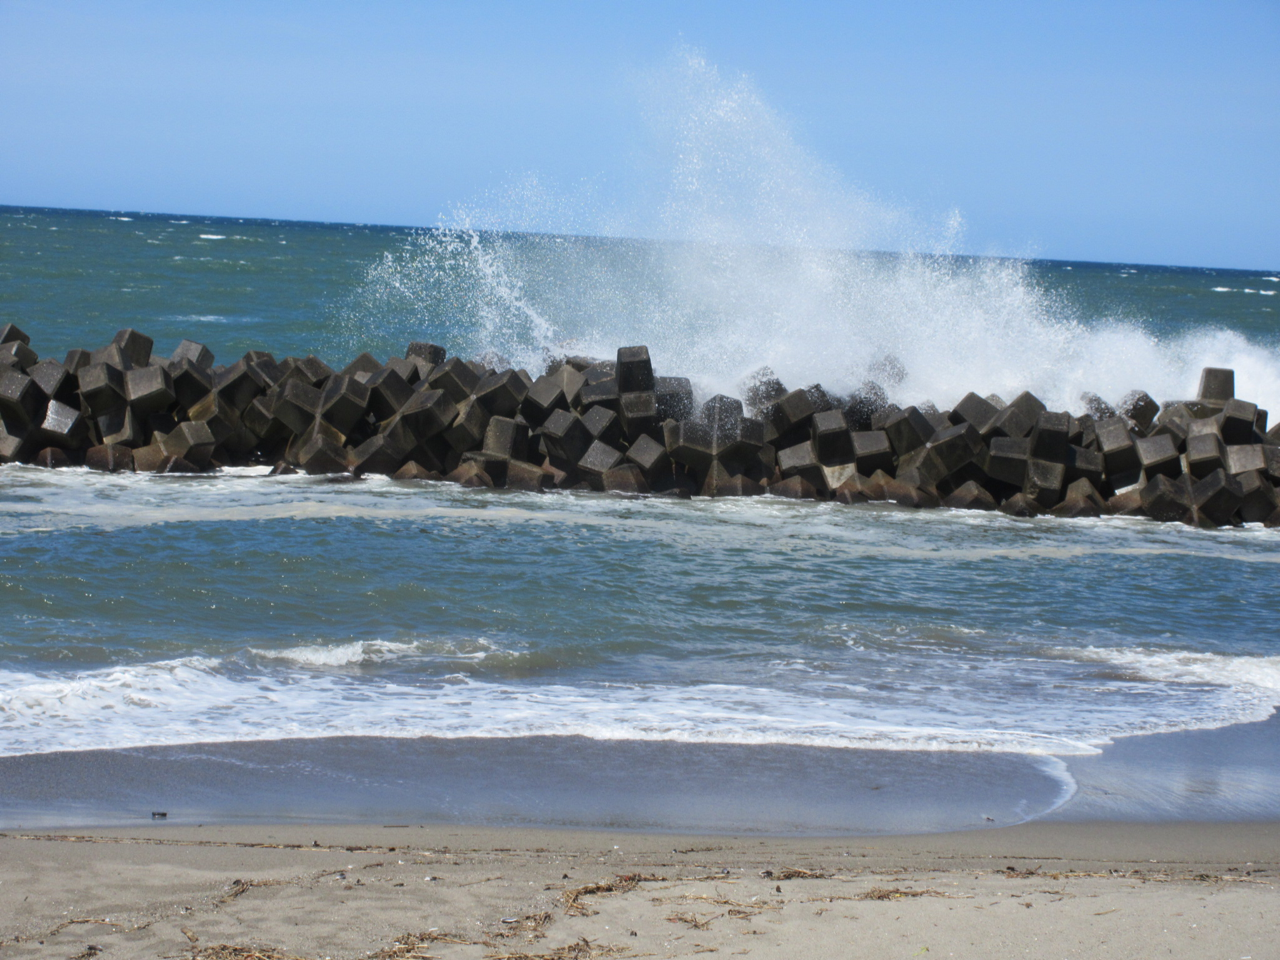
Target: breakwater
[(613, 425)]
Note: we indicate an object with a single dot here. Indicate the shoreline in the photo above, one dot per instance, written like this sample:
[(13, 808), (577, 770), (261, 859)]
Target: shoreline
[(1088, 889)]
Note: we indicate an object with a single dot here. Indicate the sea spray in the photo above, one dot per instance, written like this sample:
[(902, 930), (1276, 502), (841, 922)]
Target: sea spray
[(756, 253)]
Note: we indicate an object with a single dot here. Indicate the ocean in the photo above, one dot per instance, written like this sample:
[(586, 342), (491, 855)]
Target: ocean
[(242, 647)]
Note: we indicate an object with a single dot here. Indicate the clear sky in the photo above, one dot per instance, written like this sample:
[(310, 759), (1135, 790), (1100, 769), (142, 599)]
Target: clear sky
[(1122, 131)]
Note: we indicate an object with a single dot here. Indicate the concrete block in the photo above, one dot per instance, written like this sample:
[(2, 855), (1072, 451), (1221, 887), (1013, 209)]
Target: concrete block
[(1007, 422), (527, 477), (1244, 457), (1120, 456), (193, 441), (467, 430), (53, 458), (551, 392), (56, 382), (1096, 407), (238, 385), (383, 453), (22, 402), (566, 437), (260, 419), (1217, 497), (851, 491), (863, 405), (802, 460), (759, 390), (149, 390), (366, 364), (832, 438), (1271, 456), (650, 457), (501, 393), (1258, 498), (121, 427), (1085, 464), (1217, 384), (1050, 437), (75, 359), (634, 370), (428, 412), (149, 459), (787, 420), (625, 478), (455, 378), (221, 417), (10, 333), (690, 442), (908, 430), (415, 471), (833, 477), (321, 453), (822, 398), (190, 383), (604, 424), (109, 458), (429, 352), (675, 398), (297, 405), (603, 393), (1138, 407), (724, 481), (17, 355), (1007, 460), (194, 353), (407, 370), (601, 370), (1158, 456), (470, 473), (973, 409), (63, 426), (954, 446), (388, 392), (1205, 454), (873, 488), (1166, 499), (1021, 505), (1029, 405), (676, 484), (793, 488), (1127, 504), (970, 496), (1208, 426), (134, 345), (282, 469), (1044, 481), (344, 402), (507, 439), (907, 494), (1238, 418), (599, 458), (639, 415), (872, 451)]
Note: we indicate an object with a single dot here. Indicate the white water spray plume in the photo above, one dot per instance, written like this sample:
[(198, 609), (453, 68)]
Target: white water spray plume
[(756, 253)]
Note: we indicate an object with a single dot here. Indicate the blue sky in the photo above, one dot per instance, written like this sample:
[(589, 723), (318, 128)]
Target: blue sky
[(1139, 132)]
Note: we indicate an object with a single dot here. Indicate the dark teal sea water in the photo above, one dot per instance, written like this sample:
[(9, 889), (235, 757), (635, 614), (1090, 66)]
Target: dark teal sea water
[(969, 659)]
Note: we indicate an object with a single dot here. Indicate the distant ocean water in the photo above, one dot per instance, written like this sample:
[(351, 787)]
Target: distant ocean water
[(159, 611)]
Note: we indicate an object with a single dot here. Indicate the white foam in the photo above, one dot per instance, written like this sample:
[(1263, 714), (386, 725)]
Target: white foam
[(212, 236)]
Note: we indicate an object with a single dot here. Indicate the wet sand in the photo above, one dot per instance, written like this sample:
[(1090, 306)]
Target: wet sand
[(1042, 889)]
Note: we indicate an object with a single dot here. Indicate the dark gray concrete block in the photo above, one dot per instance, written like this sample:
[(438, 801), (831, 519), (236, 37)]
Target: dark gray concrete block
[(22, 401), (63, 426), (1050, 437), (190, 383), (599, 458), (1158, 455), (954, 446), (832, 438), (383, 453), (1166, 499), (1007, 459), (101, 388), (468, 427), (793, 488), (1217, 497), (506, 438), (863, 405), (602, 393), (1258, 498), (604, 424), (149, 390), (802, 460), (109, 458), (388, 392), (428, 412), (906, 492), (75, 359), (193, 441), (429, 352), (1085, 464), (1044, 482), (53, 458), (10, 333), (1119, 454), (1138, 407), (366, 363), (759, 390), (634, 370), (651, 457), (134, 345), (1007, 422), (297, 405), (973, 409), (970, 496), (908, 430), (149, 459), (721, 481), (1244, 457), (788, 418), (238, 385), (1217, 384), (1205, 454), (639, 415), (690, 442), (416, 471), (1096, 407), (527, 477), (344, 402), (872, 451), (407, 369), (470, 474), (18, 355), (121, 427), (196, 353), (1238, 419), (455, 378), (566, 437), (56, 382), (1021, 505), (625, 478), (502, 393)]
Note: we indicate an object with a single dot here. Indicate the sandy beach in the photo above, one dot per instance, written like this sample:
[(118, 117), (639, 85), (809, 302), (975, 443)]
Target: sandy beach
[(1042, 890)]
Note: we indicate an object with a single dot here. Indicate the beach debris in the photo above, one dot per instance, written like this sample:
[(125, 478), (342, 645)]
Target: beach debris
[(620, 884), (899, 893), (613, 425), (159, 815)]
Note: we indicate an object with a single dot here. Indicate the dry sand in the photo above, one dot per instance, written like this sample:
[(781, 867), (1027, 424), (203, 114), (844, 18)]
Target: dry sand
[(1037, 890)]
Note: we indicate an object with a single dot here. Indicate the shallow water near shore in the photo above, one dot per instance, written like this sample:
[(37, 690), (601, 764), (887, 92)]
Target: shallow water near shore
[(574, 659)]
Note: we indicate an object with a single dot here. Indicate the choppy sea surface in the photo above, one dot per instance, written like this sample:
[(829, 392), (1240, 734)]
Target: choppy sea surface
[(162, 612)]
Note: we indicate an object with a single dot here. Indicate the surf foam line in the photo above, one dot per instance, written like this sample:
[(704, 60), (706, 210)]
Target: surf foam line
[(202, 699)]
